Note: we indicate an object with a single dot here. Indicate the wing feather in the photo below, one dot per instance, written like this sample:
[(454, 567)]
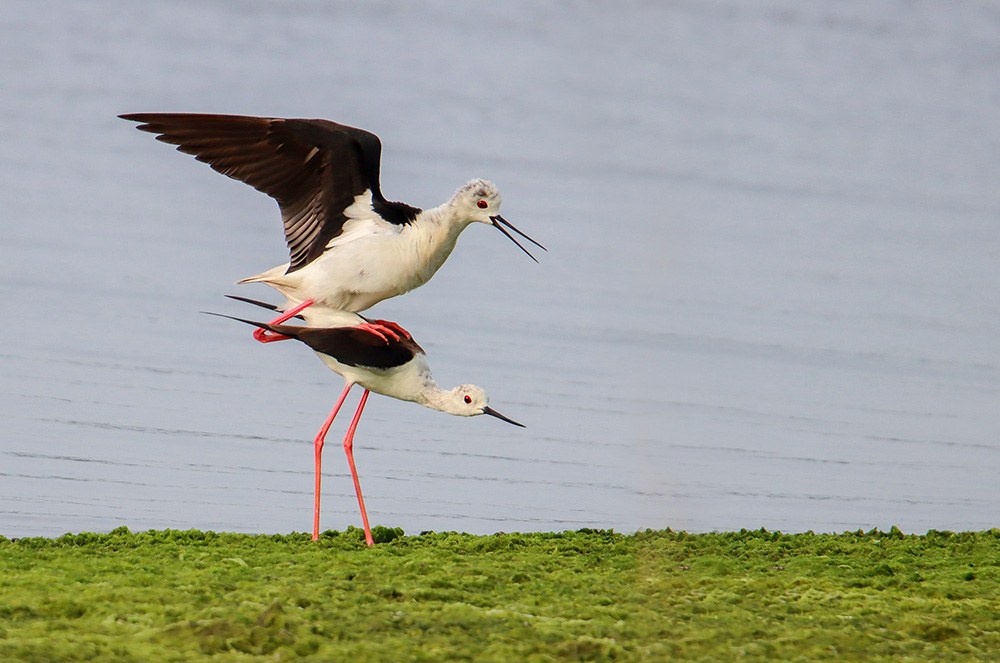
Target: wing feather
[(314, 169)]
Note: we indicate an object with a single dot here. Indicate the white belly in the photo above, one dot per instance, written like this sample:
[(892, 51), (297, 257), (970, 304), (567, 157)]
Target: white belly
[(406, 382), (357, 275)]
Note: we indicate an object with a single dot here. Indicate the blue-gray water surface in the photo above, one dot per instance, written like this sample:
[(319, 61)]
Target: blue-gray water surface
[(770, 297)]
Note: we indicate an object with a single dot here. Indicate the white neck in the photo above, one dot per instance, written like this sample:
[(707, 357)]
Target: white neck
[(437, 398), (436, 232), (449, 215)]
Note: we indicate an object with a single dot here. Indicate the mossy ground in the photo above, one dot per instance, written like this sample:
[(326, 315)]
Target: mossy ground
[(575, 596)]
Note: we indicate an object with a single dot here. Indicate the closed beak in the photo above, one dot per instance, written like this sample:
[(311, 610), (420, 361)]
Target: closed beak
[(493, 413)]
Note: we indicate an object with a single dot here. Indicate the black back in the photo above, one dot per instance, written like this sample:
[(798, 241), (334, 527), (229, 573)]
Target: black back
[(355, 346), (352, 346)]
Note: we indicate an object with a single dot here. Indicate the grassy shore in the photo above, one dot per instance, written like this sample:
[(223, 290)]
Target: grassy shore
[(576, 596)]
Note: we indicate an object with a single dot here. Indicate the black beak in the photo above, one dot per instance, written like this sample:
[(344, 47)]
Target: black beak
[(493, 413), (497, 220)]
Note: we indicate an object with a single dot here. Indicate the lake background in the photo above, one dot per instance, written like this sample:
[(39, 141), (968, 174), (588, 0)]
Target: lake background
[(771, 297)]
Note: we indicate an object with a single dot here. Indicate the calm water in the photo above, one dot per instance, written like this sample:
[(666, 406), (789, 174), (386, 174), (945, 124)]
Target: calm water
[(771, 296)]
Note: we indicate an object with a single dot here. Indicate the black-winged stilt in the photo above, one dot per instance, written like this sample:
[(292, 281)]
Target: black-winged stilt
[(378, 357), (350, 247)]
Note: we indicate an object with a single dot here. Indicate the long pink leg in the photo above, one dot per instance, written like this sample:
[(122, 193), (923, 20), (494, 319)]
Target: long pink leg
[(349, 449), (266, 336), (318, 446)]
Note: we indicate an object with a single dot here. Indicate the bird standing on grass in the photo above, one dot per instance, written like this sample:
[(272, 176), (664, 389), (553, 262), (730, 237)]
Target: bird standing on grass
[(381, 359), (349, 247)]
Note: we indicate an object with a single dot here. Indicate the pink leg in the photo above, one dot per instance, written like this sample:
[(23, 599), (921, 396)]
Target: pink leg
[(266, 336), (349, 449), (318, 446)]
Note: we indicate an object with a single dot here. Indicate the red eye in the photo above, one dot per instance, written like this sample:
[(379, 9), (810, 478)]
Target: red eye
[(468, 399), (482, 204)]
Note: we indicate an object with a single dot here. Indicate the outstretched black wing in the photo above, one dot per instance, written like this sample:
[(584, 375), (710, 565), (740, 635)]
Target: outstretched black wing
[(314, 169)]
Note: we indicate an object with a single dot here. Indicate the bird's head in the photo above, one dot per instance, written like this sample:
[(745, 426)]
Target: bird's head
[(479, 200), (468, 400)]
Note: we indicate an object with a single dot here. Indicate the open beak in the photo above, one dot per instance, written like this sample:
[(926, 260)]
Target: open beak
[(493, 413), (497, 220)]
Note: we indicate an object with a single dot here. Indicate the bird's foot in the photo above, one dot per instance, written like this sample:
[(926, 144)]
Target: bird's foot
[(394, 327), (380, 330), (268, 336)]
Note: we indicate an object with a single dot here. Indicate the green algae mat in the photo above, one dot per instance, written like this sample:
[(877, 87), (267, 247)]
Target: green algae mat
[(575, 596)]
